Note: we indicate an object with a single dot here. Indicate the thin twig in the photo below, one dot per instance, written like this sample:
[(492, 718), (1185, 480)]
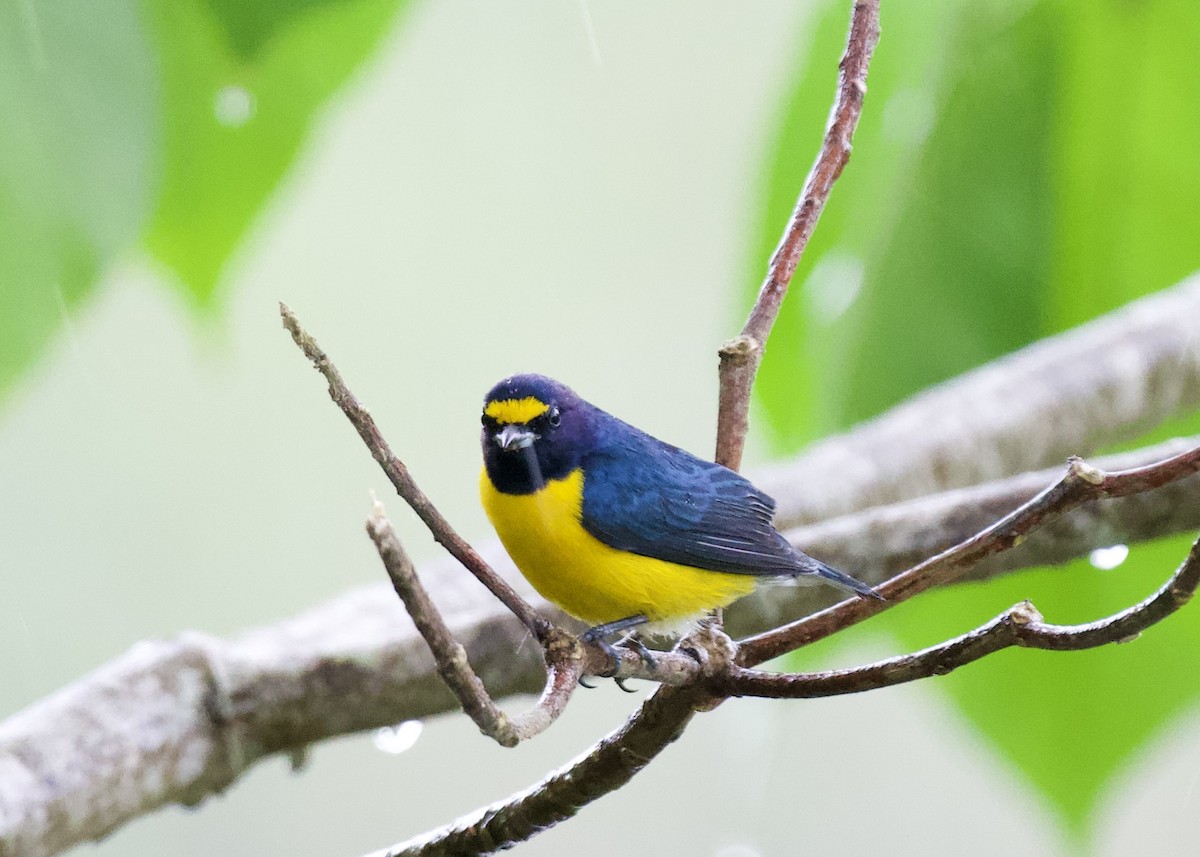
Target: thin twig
[(1081, 483), (564, 654), (396, 471), (1021, 625), (741, 356)]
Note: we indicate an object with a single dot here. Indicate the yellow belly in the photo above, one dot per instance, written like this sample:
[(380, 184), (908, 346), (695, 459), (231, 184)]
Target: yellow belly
[(587, 578)]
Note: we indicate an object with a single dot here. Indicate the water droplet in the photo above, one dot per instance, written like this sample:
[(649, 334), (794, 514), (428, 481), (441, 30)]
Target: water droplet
[(234, 106), (833, 285), (398, 738), (1108, 558), (908, 117), (737, 849)]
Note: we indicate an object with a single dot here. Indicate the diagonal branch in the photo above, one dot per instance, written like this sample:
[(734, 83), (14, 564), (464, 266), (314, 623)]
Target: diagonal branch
[(740, 357), (1021, 625), (1081, 483), (404, 484)]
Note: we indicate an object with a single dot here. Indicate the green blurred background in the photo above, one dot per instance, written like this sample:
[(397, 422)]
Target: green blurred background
[(446, 193)]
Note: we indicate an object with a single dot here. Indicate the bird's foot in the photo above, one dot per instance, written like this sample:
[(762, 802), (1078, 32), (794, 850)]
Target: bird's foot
[(596, 636), (634, 643)]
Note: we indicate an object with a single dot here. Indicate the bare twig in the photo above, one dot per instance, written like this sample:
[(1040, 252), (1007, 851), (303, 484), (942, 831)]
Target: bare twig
[(361, 419), (741, 356), (564, 654), (1021, 625), (1081, 483)]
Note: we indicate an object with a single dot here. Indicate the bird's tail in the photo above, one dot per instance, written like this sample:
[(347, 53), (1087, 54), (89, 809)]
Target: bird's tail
[(843, 580)]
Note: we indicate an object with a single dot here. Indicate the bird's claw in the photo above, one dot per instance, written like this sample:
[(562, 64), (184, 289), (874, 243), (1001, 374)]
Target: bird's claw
[(634, 642)]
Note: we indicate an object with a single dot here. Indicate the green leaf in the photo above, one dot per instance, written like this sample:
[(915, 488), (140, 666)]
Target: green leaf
[(78, 153), (1126, 174), (1068, 720), (958, 279), (243, 86)]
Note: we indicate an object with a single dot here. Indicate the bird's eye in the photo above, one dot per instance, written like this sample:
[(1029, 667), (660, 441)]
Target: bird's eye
[(554, 417), (487, 421)]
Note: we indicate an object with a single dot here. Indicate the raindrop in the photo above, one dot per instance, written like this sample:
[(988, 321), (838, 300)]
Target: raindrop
[(1108, 558), (234, 106), (398, 738), (737, 849), (833, 285), (908, 117)]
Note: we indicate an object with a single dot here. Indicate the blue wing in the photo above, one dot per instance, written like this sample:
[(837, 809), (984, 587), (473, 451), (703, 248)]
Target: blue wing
[(647, 497)]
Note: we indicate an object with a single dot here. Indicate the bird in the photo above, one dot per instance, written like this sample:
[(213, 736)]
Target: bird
[(619, 529)]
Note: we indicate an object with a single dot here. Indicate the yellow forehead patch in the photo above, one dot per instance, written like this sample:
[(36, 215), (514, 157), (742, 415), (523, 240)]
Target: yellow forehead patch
[(516, 411)]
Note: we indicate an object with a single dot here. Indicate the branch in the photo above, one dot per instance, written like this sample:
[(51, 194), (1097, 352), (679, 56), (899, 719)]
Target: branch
[(564, 654), (404, 484), (1021, 625), (664, 715), (605, 768), (356, 663), (1081, 483), (563, 794), (877, 543), (1099, 384), (740, 357)]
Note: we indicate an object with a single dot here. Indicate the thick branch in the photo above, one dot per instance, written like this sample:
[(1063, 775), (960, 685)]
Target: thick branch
[(357, 663), (1099, 384)]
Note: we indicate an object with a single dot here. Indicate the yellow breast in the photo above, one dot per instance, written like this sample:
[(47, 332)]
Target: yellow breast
[(587, 578)]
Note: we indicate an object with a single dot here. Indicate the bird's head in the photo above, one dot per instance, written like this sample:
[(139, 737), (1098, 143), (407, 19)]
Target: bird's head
[(534, 430)]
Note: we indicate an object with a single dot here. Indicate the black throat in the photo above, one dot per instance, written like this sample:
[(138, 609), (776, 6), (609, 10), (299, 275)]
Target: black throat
[(523, 471)]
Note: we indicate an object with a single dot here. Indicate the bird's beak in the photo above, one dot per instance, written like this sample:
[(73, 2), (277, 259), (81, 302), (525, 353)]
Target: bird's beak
[(514, 437)]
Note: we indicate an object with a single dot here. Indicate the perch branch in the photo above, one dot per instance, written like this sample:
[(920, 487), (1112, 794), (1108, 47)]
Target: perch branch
[(398, 473), (1021, 625), (1081, 483), (740, 357), (188, 716), (664, 715)]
